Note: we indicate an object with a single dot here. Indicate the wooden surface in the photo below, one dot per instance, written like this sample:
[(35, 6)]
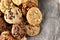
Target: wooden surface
[(50, 26)]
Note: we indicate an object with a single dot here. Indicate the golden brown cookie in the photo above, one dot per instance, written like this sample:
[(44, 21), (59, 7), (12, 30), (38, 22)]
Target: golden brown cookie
[(34, 16), (26, 6), (13, 15), (3, 24), (18, 30), (6, 36), (4, 5), (32, 30), (5, 33)]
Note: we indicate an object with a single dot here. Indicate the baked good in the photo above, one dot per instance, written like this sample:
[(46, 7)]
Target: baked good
[(18, 31), (5, 33), (26, 6), (6, 36), (4, 5), (3, 24), (32, 30), (34, 16), (13, 15), (19, 2)]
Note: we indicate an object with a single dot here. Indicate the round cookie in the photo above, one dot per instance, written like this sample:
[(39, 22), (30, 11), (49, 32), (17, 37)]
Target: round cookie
[(5, 33), (2, 8), (18, 31), (19, 2), (4, 5), (32, 30), (3, 24), (6, 36), (34, 16), (13, 15), (26, 6)]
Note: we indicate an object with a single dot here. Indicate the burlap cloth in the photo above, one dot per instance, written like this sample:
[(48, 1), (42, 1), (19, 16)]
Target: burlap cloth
[(50, 26)]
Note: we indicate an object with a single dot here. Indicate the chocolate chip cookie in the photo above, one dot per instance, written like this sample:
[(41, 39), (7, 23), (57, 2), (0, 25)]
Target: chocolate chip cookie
[(13, 15), (18, 31), (4, 5), (26, 6), (32, 30), (34, 16), (6, 36)]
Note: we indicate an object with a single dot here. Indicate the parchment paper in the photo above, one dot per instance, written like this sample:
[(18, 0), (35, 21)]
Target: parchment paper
[(50, 26)]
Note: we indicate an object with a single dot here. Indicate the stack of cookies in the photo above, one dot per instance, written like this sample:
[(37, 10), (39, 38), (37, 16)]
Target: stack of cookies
[(19, 19)]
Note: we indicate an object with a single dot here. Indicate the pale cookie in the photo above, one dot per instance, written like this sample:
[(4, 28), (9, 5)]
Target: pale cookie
[(4, 5), (2, 8), (34, 16), (6, 36), (32, 30), (13, 15), (24, 38), (5, 33), (19, 2), (18, 31)]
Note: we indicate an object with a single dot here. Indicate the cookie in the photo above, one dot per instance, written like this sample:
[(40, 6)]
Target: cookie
[(32, 30), (18, 31), (6, 36), (3, 24), (34, 16), (2, 8), (4, 5), (26, 6), (5, 33), (19, 2), (13, 15), (24, 38)]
